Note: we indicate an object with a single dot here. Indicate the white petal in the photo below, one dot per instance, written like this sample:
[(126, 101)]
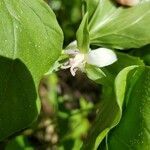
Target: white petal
[(71, 49), (101, 57), (72, 46)]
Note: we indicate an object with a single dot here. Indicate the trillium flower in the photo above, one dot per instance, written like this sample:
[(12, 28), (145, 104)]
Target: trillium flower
[(100, 57)]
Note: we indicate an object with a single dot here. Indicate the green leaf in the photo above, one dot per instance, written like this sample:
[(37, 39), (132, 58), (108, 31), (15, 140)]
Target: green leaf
[(83, 35), (120, 27), (17, 97), (31, 41), (133, 130), (90, 6), (94, 73), (30, 32), (110, 110)]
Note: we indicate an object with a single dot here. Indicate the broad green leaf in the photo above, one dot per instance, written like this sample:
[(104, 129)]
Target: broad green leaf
[(17, 97), (83, 35), (120, 27), (110, 110), (31, 41), (29, 31), (133, 130)]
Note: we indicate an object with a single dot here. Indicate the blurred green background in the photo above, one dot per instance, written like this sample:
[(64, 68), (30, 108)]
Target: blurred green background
[(68, 13)]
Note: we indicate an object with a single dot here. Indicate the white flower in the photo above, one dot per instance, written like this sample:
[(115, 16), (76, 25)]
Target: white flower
[(100, 57)]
